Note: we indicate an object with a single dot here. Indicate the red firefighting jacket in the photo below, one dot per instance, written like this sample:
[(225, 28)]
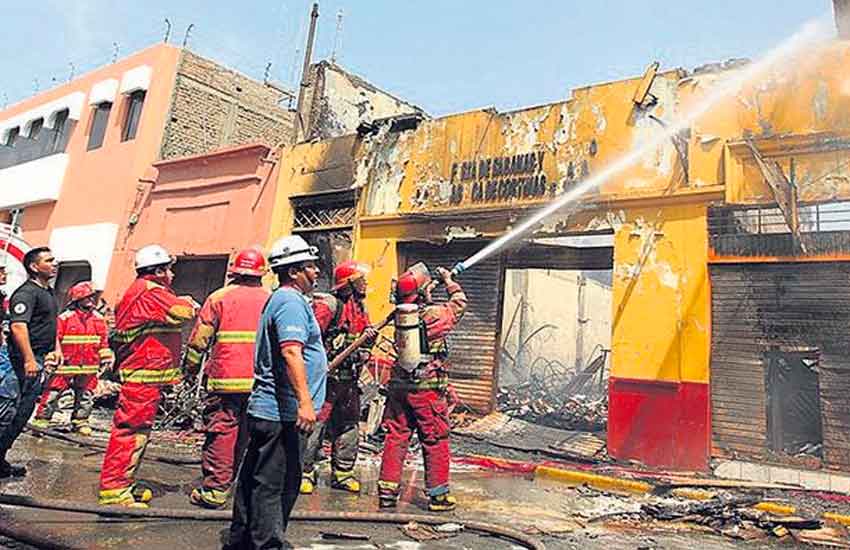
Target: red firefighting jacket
[(341, 324), (226, 328), (83, 338), (147, 333), (440, 320)]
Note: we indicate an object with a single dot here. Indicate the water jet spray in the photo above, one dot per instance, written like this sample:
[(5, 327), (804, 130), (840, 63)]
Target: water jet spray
[(812, 33)]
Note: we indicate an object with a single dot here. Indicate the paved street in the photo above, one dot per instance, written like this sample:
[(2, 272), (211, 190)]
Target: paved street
[(560, 513)]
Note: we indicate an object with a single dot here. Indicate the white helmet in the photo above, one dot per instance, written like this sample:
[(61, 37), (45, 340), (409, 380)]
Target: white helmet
[(152, 255), (289, 250)]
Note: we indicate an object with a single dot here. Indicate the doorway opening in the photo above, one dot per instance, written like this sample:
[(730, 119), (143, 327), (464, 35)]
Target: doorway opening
[(556, 332), (69, 274), (794, 424)]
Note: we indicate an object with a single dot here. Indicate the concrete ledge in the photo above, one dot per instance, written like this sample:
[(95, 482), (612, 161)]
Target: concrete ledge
[(807, 479)]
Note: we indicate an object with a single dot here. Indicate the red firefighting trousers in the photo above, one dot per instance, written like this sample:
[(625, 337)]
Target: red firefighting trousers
[(426, 411), (83, 385), (226, 436), (131, 427)]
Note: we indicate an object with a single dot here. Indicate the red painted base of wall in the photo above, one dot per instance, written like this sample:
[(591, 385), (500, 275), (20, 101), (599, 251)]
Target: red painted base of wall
[(661, 424)]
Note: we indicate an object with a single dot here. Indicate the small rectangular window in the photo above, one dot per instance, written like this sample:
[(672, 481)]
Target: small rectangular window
[(12, 136), (100, 118), (134, 114), (60, 130), (35, 128)]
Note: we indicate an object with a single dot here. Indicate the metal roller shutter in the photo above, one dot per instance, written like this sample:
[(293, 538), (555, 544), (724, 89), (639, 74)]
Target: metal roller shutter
[(473, 344), (762, 308)]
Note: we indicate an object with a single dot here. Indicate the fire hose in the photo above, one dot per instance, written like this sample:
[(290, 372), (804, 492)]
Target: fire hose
[(87, 443), (224, 515)]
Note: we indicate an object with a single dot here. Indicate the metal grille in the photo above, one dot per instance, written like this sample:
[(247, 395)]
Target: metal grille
[(763, 220), (319, 216), (762, 230)]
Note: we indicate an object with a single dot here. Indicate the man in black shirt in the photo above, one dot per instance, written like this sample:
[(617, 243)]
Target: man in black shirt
[(32, 318)]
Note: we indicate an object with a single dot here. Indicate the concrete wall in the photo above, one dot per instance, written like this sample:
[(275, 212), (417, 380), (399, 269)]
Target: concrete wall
[(215, 107), (557, 343), (205, 205), (337, 102)]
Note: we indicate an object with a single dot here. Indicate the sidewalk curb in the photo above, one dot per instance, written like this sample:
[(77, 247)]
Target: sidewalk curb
[(597, 481)]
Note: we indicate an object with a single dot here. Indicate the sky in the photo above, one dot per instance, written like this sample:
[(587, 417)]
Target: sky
[(442, 55)]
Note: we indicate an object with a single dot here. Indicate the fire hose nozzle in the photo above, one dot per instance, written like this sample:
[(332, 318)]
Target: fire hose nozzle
[(459, 268)]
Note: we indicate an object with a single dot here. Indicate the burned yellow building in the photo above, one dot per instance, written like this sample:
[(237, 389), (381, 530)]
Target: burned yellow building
[(726, 242)]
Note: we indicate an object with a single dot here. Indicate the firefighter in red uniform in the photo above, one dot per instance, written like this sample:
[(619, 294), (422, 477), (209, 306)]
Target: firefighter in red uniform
[(82, 335), (417, 399), (342, 317), (226, 329), (147, 332)]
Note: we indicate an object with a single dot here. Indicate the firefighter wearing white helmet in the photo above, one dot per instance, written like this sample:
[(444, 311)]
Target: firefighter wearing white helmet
[(281, 408), (289, 250), (147, 345), (152, 255)]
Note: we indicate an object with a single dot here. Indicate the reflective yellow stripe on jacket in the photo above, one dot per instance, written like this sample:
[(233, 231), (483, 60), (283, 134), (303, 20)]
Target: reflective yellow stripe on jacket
[(74, 370), (80, 339), (230, 385), (127, 336), (236, 337), (150, 376), (193, 356)]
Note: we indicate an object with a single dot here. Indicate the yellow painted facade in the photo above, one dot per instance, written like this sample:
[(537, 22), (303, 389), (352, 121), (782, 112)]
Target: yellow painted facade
[(475, 175)]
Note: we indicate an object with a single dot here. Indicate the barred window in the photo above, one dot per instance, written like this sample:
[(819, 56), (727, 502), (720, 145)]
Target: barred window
[(311, 215)]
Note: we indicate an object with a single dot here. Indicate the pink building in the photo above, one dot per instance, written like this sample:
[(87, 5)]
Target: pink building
[(73, 159)]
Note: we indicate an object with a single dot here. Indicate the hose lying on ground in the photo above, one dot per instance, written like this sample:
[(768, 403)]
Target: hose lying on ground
[(30, 538), (87, 443), (225, 515)]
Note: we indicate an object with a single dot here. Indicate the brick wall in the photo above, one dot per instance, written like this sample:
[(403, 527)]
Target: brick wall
[(215, 107)]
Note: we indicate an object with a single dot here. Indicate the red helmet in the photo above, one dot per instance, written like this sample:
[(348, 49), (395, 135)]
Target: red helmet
[(248, 262), (80, 291), (409, 283), (348, 272)]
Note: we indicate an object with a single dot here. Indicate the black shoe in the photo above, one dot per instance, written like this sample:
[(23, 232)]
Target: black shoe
[(10, 470)]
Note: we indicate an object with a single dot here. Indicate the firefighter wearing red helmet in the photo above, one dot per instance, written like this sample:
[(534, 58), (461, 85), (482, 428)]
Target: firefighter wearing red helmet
[(147, 348), (342, 318), (82, 335), (224, 332), (417, 397)]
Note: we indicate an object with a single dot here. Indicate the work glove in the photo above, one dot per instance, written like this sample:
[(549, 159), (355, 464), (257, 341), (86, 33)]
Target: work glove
[(51, 362)]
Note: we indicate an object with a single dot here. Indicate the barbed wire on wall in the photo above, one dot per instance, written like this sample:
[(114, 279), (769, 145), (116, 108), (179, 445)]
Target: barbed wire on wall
[(253, 59)]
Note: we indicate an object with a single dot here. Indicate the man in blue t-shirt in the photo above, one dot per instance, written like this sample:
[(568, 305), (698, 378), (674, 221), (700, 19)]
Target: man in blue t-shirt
[(290, 368)]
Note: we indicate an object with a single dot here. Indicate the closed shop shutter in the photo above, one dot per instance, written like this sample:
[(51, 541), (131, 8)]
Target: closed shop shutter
[(473, 344), (759, 310)]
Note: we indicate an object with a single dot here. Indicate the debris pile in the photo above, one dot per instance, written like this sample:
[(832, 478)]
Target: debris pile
[(423, 533), (547, 407), (736, 518)]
